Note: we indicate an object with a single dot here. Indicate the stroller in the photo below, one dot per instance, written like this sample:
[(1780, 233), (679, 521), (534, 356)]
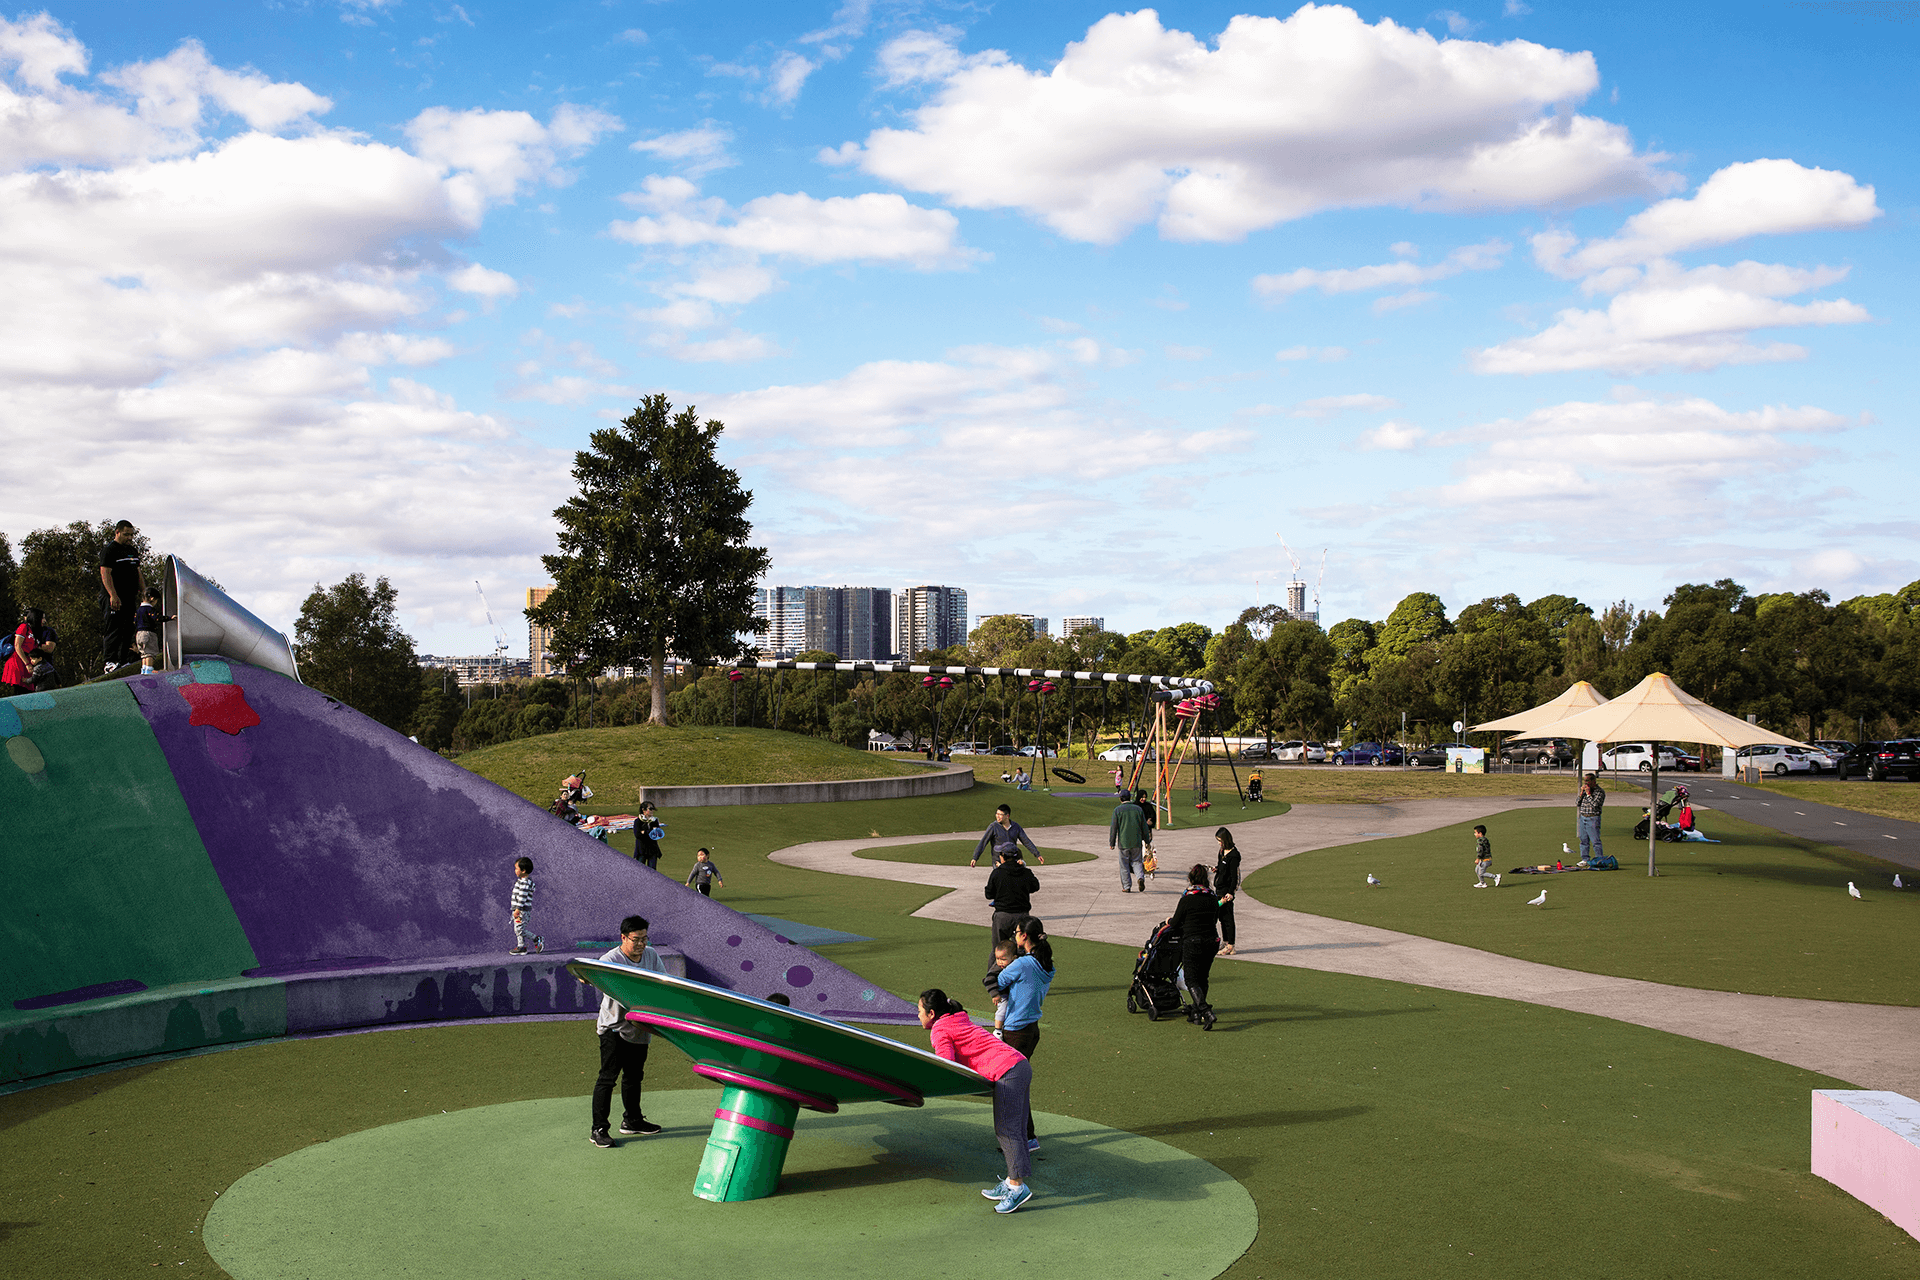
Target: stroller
[(1154, 987), (1663, 807), (1253, 790)]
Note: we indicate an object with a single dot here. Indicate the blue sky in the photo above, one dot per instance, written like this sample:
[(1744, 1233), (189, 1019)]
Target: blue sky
[(1081, 309)]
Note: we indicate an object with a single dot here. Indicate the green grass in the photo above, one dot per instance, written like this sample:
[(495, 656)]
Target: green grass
[(1883, 799), (1761, 913), (622, 759), (1382, 1129), (954, 853)]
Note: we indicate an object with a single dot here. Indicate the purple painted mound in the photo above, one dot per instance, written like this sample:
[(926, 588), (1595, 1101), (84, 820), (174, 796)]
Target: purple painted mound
[(343, 845)]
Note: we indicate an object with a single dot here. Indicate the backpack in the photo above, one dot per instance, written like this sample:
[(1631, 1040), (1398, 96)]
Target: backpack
[(1605, 862)]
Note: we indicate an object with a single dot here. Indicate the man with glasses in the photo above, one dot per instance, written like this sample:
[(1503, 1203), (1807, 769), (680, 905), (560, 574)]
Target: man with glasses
[(623, 1044)]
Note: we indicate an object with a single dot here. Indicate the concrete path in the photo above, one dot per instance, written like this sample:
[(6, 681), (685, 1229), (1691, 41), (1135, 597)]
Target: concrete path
[(1871, 1046)]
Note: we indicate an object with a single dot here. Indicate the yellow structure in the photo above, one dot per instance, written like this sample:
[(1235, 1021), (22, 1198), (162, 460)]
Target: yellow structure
[(539, 638)]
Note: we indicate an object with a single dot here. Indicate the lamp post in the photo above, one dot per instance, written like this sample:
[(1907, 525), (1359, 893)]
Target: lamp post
[(734, 677), (938, 688)]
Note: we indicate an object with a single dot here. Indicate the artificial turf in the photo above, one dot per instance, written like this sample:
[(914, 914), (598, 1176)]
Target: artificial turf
[(1761, 912), (954, 853), (1382, 1129)]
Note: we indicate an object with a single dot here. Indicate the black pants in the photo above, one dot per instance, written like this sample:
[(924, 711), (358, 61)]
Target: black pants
[(1026, 1040), (706, 887), (1196, 957), (647, 852), (1226, 922), (1003, 922), (619, 1057), (116, 632)]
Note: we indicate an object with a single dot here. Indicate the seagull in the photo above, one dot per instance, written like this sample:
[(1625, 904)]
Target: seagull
[(1566, 849), (1896, 881), (1852, 890), (1370, 879), (1540, 901)]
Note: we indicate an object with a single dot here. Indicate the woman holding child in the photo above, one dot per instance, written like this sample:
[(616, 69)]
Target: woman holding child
[(1023, 984)]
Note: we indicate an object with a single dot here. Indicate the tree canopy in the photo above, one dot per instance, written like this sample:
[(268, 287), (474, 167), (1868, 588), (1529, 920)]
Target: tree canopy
[(350, 646), (654, 558)]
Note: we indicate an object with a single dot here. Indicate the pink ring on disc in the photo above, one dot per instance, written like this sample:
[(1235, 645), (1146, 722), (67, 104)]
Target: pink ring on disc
[(727, 1075), (900, 1094)]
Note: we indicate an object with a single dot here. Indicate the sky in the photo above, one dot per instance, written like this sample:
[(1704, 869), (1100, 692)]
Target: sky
[(1087, 311)]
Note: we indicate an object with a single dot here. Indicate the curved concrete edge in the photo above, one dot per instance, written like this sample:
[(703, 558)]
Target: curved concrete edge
[(941, 780)]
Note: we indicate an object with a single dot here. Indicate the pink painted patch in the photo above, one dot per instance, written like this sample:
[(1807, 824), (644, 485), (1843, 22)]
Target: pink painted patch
[(230, 752), (224, 706)]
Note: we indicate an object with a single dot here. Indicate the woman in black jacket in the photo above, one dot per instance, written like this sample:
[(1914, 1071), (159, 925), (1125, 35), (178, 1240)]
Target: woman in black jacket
[(1226, 883), (1194, 920)]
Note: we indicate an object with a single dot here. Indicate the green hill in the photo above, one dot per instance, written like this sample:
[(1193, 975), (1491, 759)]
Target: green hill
[(622, 759)]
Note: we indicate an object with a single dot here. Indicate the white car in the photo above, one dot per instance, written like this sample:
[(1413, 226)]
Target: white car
[(1121, 751), (1314, 752), (1637, 755), (968, 749), (1294, 750), (1779, 760)]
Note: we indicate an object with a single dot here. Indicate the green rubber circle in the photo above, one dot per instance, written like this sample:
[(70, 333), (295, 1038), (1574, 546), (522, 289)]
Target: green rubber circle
[(516, 1190), (23, 753)]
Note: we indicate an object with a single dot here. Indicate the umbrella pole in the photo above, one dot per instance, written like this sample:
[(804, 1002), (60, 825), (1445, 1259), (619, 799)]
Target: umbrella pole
[(1653, 810)]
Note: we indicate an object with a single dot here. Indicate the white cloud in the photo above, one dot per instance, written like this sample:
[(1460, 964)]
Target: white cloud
[(1757, 197), (1456, 23), (1516, 9), (873, 227), (482, 282), (921, 57), (1669, 317), (1324, 354), (786, 77), (694, 151), (1392, 437), (499, 152), (1279, 119), (1473, 257), (1177, 352), (40, 51), (1328, 406), (567, 389), (392, 348)]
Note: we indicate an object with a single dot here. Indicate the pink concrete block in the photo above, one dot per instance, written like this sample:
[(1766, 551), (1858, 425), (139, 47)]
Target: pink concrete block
[(1867, 1143)]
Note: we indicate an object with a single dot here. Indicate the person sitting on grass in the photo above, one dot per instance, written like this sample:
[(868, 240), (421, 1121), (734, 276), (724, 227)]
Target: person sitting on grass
[(956, 1039), (1483, 860)]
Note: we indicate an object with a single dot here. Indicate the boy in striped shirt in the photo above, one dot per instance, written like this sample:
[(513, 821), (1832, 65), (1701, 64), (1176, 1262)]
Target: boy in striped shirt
[(523, 887)]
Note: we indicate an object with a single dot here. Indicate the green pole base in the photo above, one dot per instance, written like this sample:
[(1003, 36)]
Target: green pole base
[(748, 1145)]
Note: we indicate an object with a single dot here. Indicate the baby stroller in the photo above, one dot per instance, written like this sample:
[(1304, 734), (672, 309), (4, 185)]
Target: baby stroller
[(1154, 987), (1662, 807), (1253, 790)]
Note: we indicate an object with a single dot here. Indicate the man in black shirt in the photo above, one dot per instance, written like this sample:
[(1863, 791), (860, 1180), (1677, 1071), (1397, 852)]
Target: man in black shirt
[(1010, 888), (121, 590)]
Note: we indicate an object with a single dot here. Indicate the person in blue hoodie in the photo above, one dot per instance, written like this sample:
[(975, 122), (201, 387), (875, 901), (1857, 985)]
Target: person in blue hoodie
[(1024, 983)]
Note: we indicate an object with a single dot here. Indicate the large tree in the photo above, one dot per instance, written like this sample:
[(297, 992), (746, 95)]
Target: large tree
[(653, 555), (350, 646)]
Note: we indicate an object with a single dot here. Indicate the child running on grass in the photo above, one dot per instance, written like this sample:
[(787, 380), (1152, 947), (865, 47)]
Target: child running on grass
[(523, 887), (1003, 955), (1483, 860), (705, 872)]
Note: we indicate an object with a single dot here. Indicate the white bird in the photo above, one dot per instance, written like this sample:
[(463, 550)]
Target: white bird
[(1852, 890), (1566, 848), (1370, 879), (1540, 901), (1896, 881)]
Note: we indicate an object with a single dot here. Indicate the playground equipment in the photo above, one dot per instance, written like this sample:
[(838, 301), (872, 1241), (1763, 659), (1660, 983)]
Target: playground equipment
[(770, 1061)]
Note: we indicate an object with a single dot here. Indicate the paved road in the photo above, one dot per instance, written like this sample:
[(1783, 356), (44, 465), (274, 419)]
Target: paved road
[(1889, 838), (1872, 1046)]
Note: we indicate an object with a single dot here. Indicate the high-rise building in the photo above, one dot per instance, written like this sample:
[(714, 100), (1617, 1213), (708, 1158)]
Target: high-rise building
[(539, 638), (1069, 626), (866, 623), (1297, 603), (785, 610), (928, 617)]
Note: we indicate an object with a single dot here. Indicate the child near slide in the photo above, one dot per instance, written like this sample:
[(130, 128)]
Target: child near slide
[(523, 887), (705, 872), (1483, 860)]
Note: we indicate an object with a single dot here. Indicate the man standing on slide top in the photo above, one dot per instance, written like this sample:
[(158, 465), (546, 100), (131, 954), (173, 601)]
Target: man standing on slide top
[(121, 590)]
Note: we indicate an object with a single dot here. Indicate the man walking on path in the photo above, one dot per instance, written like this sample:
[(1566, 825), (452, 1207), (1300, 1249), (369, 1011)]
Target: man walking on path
[(1127, 832), (1005, 835), (121, 589), (1593, 798), (623, 1044), (1010, 888)]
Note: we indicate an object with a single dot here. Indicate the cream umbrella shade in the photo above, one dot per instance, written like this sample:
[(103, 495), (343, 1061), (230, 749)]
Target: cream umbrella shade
[(1582, 696), (1657, 710)]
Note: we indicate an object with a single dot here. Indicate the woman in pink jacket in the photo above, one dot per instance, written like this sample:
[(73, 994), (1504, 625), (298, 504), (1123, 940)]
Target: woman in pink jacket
[(958, 1040)]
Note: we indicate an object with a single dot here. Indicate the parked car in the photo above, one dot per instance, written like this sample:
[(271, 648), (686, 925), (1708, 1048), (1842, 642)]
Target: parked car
[(1638, 755), (1314, 753), (1121, 751), (1775, 759), (1883, 760), (1004, 751), (1369, 753), (1432, 757), (1034, 751), (1294, 750), (1856, 761), (1537, 751), (968, 749), (1256, 752), (1685, 760)]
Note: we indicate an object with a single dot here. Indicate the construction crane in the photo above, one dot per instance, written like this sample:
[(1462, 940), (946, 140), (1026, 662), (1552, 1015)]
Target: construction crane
[(1318, 583), (499, 636)]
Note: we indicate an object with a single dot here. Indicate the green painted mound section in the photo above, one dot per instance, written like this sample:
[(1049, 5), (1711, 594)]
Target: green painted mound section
[(622, 759), (110, 889), (954, 853), (510, 1191)]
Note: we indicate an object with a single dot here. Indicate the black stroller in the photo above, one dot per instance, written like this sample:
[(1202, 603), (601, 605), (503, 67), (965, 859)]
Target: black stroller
[(1253, 791), (1665, 805), (1154, 987)]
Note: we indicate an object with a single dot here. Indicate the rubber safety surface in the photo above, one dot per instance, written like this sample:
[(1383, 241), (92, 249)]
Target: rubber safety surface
[(514, 1191)]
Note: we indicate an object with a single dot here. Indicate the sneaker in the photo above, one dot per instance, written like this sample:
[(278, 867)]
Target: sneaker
[(111, 668), (1015, 1197), (1479, 884), (1496, 882), (645, 1129), (517, 951), (1143, 886), (1033, 1144), (600, 1138), (996, 1191), (539, 945)]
